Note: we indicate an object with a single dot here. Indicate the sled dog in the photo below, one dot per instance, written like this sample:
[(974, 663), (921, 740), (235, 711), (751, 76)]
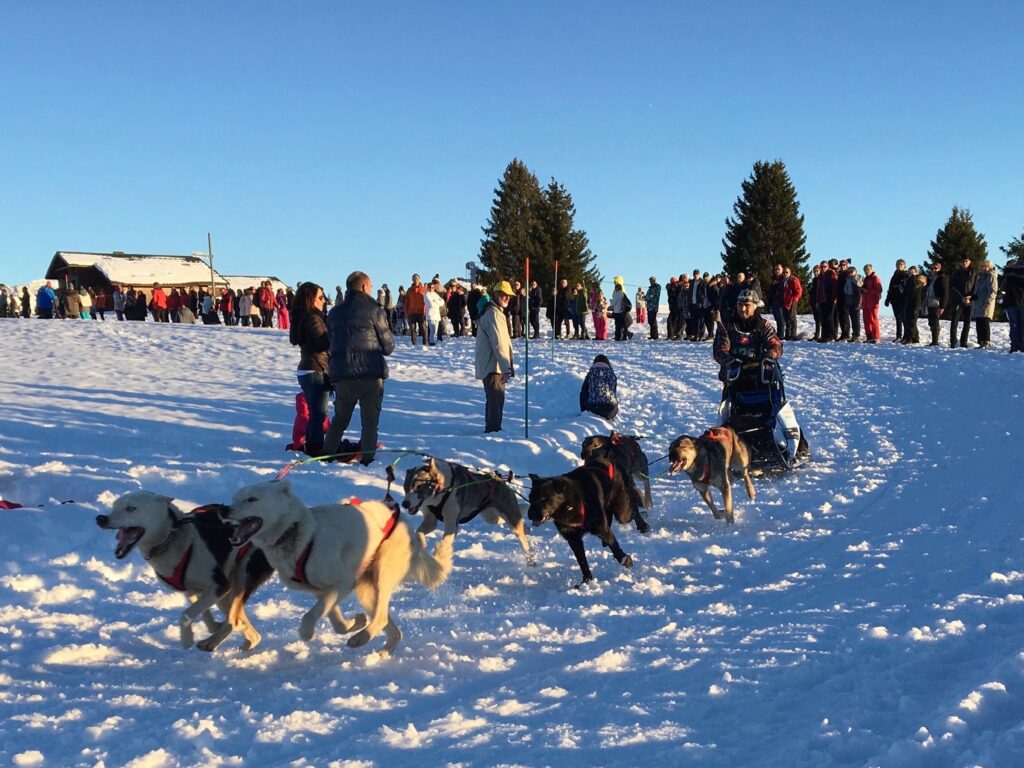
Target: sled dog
[(443, 490), (584, 501), (191, 553), (335, 549), (629, 458), (708, 460)]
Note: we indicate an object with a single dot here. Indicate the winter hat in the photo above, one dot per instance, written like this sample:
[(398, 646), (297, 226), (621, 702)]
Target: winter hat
[(618, 280), (503, 287)]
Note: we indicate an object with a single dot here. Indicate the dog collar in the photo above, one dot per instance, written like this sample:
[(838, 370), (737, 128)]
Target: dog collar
[(177, 579)]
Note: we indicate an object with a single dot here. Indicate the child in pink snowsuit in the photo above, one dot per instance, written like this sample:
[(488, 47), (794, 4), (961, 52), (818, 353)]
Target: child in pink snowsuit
[(301, 420)]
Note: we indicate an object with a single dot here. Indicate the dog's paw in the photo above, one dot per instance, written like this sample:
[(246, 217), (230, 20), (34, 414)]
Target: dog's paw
[(627, 561), (359, 639), (307, 629), (251, 641), (206, 645), (642, 526)]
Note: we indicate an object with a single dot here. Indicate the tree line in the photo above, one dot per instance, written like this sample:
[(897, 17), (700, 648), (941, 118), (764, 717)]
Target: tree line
[(766, 229)]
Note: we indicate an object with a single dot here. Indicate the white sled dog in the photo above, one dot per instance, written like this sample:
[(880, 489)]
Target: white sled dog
[(333, 549), (191, 553), (450, 492)]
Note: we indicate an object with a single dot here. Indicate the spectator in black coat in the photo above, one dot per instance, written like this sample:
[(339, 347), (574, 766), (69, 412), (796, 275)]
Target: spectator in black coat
[(961, 286), (536, 299), (913, 305), (936, 297), (894, 295), (360, 340), (308, 331), (457, 310)]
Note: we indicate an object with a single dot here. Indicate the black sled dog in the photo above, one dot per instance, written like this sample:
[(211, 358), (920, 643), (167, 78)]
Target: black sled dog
[(584, 501)]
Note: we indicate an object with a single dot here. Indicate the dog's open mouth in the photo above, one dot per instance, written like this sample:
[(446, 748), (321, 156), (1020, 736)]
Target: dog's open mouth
[(126, 539), (245, 530)]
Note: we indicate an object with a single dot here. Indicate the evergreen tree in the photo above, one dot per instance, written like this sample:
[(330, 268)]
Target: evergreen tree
[(514, 231), (956, 240), (1014, 249), (767, 227), (527, 222), (570, 246)]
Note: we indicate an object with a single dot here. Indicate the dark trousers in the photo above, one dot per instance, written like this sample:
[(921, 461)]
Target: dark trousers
[(817, 321), (791, 323), (844, 320), (898, 312), (984, 331), (652, 322), (494, 408), (368, 394), (1015, 317), (958, 314), (710, 318), (779, 314), (934, 314), (910, 333), (534, 323), (853, 318), (458, 325), (828, 328), (620, 325), (417, 327), (672, 327)]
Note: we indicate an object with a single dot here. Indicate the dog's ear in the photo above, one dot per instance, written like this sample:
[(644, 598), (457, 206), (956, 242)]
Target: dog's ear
[(283, 487), (431, 464)]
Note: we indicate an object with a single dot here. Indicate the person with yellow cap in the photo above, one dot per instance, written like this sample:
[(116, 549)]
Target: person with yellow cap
[(494, 354)]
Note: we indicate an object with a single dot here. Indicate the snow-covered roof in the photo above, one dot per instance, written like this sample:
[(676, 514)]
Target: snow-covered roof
[(241, 282), (136, 268)]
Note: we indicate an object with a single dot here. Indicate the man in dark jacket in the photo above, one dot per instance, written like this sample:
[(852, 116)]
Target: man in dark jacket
[(936, 298), (536, 299), (651, 301), (961, 286), (746, 340), (826, 293), (894, 296), (360, 340), (457, 310)]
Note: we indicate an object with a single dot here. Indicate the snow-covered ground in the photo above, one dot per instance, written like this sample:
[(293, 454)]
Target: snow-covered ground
[(865, 610)]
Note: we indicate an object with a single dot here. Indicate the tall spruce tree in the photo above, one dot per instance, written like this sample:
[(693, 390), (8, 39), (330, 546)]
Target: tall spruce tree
[(1015, 248), (570, 246), (767, 227), (527, 222), (515, 229), (956, 240)]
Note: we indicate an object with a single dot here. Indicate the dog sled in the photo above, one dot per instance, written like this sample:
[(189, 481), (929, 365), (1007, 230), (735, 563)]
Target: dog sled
[(754, 405)]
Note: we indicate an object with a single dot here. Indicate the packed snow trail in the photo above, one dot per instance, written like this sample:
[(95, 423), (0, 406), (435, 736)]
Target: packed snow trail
[(864, 610)]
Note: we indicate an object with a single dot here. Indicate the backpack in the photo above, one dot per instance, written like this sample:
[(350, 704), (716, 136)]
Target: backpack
[(627, 305)]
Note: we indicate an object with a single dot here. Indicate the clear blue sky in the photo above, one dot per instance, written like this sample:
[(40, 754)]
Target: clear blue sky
[(316, 138)]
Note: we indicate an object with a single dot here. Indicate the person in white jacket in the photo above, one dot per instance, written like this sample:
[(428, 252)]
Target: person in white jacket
[(433, 301)]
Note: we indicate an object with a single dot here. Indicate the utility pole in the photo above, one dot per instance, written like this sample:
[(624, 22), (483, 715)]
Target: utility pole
[(209, 252)]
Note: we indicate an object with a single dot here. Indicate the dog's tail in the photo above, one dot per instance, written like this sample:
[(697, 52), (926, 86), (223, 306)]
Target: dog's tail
[(430, 570)]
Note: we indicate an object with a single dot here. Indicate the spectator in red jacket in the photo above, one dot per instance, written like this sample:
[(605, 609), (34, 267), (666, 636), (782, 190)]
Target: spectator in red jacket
[(267, 302), (158, 304), (870, 296)]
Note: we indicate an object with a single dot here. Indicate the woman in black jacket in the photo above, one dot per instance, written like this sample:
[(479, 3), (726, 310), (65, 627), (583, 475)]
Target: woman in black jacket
[(309, 333)]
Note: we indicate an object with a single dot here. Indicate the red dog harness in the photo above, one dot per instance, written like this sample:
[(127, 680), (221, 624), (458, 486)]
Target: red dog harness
[(387, 529), (710, 436), (177, 579), (583, 508)]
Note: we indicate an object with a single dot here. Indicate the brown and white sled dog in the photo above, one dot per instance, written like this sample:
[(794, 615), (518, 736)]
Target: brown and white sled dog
[(450, 492), (191, 553), (334, 549), (708, 460)]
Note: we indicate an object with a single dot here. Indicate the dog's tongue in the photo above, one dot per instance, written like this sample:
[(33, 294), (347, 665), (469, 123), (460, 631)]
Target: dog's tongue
[(245, 529), (126, 538)]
